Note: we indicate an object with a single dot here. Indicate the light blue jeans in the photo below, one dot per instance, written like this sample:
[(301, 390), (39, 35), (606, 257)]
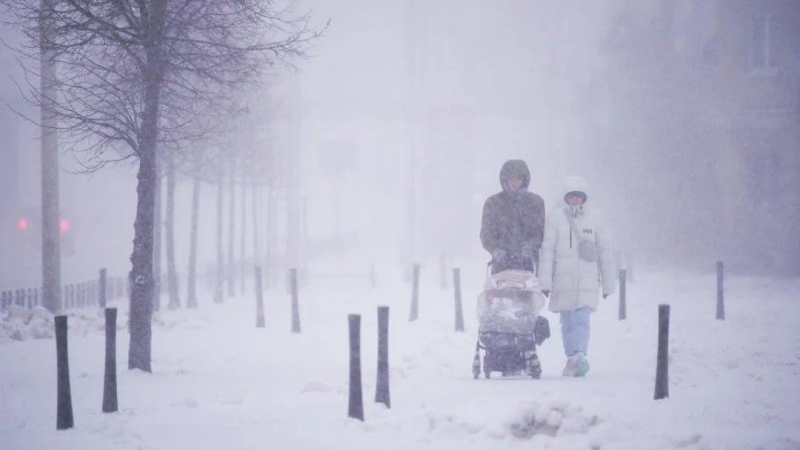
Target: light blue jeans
[(575, 330)]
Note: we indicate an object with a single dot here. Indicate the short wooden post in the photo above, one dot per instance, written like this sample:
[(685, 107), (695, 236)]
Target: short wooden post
[(110, 377), (662, 359), (356, 402), (623, 312), (64, 418), (720, 293), (103, 288), (415, 295), (295, 301), (382, 385), (259, 299), (458, 308)]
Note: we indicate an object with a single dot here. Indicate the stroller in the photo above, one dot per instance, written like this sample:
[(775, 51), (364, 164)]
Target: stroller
[(510, 325)]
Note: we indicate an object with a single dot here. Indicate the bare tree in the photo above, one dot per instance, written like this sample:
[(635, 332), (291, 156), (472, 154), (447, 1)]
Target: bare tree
[(51, 245), (158, 221), (220, 272), (198, 167), (146, 73), (169, 224), (191, 277), (231, 271)]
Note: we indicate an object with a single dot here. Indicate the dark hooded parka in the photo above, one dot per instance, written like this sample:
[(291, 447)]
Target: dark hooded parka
[(513, 221)]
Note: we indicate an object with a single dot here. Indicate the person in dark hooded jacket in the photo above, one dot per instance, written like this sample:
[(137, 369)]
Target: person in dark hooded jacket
[(513, 221)]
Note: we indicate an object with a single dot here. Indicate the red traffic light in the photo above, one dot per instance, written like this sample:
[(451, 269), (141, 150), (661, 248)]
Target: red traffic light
[(64, 225), (22, 224)]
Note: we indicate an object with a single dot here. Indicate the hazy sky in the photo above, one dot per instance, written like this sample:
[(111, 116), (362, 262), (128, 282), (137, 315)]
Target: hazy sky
[(405, 111)]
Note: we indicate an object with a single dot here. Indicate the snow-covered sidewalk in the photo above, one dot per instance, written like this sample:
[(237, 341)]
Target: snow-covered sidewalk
[(220, 382)]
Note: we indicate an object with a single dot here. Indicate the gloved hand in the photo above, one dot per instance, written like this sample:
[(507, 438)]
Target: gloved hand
[(527, 248), (527, 251), (546, 292), (499, 255)]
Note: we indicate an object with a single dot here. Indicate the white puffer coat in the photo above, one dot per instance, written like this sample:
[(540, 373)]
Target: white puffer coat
[(573, 282)]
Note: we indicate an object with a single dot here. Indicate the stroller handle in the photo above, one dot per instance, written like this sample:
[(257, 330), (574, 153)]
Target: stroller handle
[(491, 262)]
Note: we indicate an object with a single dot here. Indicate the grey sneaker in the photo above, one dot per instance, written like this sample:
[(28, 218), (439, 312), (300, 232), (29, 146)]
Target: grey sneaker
[(570, 369)]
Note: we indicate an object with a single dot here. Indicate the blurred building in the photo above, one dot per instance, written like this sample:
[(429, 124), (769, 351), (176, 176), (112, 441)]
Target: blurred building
[(750, 51), (757, 70), (716, 85)]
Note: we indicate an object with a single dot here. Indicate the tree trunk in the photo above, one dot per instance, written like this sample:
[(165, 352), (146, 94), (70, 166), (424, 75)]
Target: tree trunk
[(231, 234), (157, 221), (256, 213), (141, 276), (142, 283), (269, 279), (242, 255), (51, 245), (172, 270), (191, 280), (220, 257)]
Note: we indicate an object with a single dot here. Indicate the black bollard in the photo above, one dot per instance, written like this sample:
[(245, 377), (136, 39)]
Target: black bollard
[(459, 308), (415, 296), (64, 397), (259, 299), (382, 386), (102, 288), (622, 295), (356, 404), (295, 301), (662, 359), (110, 378), (720, 293)]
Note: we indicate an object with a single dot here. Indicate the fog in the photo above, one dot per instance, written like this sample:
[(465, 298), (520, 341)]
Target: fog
[(391, 134)]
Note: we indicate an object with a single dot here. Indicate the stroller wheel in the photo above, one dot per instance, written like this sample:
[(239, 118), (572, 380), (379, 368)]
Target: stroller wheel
[(476, 362), (488, 364), (534, 367)]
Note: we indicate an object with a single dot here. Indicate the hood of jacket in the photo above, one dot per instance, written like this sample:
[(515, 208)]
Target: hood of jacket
[(515, 168), (575, 184)]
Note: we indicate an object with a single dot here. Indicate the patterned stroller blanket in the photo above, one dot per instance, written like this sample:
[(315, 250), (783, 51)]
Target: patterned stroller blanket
[(510, 302)]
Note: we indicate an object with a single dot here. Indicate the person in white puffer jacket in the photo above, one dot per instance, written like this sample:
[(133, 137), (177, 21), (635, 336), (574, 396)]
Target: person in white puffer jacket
[(573, 283)]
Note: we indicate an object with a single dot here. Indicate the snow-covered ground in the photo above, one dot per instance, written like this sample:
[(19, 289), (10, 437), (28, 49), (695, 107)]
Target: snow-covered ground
[(220, 382)]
